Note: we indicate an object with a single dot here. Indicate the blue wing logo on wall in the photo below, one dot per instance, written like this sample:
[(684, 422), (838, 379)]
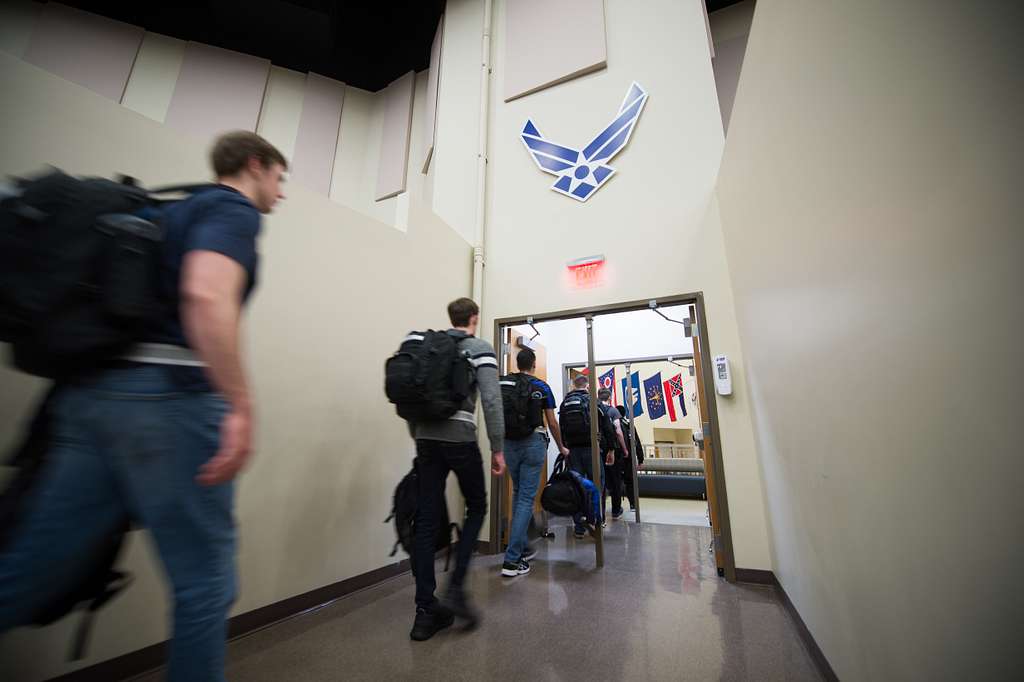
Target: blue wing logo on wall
[(582, 173)]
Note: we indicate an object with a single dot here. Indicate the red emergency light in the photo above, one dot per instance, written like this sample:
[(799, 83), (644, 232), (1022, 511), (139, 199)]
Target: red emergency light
[(586, 272)]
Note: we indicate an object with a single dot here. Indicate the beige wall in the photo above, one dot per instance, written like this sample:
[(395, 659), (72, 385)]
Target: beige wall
[(311, 505), (871, 203), (452, 173), (656, 220)]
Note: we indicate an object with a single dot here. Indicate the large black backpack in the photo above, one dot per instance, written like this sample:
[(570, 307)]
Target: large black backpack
[(574, 419), (563, 495), (428, 379), (78, 270), (96, 581), (403, 512), (523, 409)]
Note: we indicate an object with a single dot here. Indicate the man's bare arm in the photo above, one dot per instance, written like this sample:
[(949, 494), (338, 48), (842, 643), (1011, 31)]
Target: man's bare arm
[(618, 434), (556, 432), (211, 308)]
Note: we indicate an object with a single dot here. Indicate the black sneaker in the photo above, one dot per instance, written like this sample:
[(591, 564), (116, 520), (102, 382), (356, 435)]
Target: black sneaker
[(528, 554), (456, 602), (617, 515), (429, 622), (511, 570), (579, 533)]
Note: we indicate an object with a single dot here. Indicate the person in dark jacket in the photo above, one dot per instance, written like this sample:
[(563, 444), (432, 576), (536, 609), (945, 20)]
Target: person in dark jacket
[(617, 446), (626, 462), (580, 456)]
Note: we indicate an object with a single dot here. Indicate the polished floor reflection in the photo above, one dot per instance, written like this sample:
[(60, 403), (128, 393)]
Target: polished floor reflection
[(656, 611)]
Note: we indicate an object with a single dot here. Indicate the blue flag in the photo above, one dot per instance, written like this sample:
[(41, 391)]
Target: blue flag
[(655, 397), (638, 408)]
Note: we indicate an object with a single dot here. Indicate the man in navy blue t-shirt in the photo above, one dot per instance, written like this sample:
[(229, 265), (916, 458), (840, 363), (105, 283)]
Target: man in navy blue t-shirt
[(525, 458), (160, 434)]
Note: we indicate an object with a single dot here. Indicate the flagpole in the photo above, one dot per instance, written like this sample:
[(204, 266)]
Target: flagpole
[(632, 448), (597, 457)]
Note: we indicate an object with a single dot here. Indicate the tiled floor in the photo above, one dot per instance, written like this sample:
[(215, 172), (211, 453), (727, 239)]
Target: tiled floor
[(656, 611)]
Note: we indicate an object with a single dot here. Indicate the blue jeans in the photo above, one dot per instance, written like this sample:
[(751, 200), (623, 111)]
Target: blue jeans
[(126, 442), (524, 458), (581, 461)]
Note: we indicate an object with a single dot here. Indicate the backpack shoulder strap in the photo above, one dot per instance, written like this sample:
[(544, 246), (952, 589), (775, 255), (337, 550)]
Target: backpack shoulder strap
[(182, 189), (158, 196)]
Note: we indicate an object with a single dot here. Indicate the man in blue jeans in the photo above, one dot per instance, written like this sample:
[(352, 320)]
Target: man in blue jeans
[(525, 457), (159, 435)]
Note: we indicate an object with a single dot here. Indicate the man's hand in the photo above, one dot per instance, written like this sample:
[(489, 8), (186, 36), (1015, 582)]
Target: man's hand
[(235, 448), (497, 463), (609, 458), (564, 450)]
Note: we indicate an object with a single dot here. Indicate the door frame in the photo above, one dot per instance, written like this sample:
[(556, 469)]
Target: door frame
[(695, 299)]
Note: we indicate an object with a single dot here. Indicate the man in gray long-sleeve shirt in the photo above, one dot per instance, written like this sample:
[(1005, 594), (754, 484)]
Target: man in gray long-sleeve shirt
[(451, 445)]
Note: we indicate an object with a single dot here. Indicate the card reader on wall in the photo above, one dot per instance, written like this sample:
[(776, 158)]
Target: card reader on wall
[(723, 378)]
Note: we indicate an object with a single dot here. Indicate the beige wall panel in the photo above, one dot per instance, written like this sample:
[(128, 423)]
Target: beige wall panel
[(154, 76), (282, 109), (217, 90), (551, 41), (394, 145)]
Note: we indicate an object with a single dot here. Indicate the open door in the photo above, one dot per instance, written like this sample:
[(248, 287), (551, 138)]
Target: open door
[(513, 340), (707, 452), (511, 332)]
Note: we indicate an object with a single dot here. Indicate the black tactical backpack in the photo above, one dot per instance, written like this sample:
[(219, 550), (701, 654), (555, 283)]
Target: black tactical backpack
[(574, 419), (428, 379), (522, 406), (403, 512), (78, 269)]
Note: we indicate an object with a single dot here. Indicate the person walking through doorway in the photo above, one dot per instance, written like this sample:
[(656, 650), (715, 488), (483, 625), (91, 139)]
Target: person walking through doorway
[(529, 404), (450, 445)]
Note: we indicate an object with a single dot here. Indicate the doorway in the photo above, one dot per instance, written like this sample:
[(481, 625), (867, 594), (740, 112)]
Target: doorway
[(682, 380), (671, 479)]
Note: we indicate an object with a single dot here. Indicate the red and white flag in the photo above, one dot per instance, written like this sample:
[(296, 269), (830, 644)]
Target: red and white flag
[(673, 388), (607, 380)]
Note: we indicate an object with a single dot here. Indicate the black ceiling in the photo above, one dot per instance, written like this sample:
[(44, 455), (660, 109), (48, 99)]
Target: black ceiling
[(715, 5), (367, 44)]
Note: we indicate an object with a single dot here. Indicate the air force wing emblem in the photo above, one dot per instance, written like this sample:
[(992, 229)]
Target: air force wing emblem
[(581, 173)]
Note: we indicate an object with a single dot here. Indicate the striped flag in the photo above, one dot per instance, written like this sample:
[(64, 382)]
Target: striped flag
[(673, 388)]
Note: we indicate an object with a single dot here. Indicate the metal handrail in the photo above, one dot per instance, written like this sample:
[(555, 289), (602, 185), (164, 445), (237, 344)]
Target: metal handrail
[(671, 451)]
